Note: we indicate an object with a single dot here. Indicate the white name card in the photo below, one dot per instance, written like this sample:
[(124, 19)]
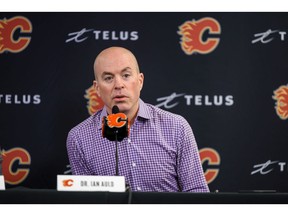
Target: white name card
[(90, 183), (2, 182)]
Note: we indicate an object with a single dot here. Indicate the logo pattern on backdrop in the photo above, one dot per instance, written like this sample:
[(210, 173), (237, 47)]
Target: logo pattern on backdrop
[(173, 100), (84, 34), (15, 162), (10, 40), (192, 32), (268, 36), (281, 105), (94, 103), (212, 157), (269, 166)]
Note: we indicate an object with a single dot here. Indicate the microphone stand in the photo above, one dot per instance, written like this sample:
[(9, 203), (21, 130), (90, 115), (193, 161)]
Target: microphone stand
[(116, 153), (128, 189)]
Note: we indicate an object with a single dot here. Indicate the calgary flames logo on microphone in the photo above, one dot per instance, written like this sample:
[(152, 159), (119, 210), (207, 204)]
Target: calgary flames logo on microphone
[(192, 32), (281, 105), (8, 40), (117, 120), (94, 102)]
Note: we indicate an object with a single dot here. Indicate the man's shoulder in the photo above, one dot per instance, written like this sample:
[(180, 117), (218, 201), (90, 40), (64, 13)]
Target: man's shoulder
[(166, 119), (158, 112)]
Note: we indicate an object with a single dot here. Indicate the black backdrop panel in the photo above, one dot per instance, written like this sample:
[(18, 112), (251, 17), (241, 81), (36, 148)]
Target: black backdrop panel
[(229, 80)]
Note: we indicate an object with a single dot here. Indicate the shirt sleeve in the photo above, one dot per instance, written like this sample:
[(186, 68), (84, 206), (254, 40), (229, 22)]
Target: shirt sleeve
[(76, 156), (189, 167)]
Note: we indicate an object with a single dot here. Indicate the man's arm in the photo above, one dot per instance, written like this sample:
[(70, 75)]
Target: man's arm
[(189, 167)]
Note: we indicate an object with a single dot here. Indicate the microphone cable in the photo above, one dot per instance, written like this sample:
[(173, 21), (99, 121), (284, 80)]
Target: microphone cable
[(128, 189)]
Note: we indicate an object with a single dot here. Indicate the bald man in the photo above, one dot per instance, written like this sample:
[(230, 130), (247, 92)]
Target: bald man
[(161, 152)]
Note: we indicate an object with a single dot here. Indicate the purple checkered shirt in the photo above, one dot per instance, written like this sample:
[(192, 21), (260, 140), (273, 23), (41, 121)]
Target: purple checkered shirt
[(160, 153)]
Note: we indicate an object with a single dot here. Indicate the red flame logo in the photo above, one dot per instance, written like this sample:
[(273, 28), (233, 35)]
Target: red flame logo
[(113, 120), (281, 105), (68, 182), (212, 157), (94, 101), (8, 42), (192, 36), (13, 160)]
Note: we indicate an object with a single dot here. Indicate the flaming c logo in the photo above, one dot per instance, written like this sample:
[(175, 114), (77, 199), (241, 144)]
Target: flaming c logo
[(213, 158), (113, 120), (67, 182), (95, 103), (281, 105), (13, 159), (8, 40), (192, 40)]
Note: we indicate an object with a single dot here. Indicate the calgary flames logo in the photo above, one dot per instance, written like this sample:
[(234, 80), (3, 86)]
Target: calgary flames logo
[(117, 120), (212, 158), (14, 162), (95, 103), (67, 182), (8, 40), (192, 36), (281, 105)]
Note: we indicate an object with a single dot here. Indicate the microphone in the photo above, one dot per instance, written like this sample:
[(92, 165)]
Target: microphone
[(115, 109), (115, 127)]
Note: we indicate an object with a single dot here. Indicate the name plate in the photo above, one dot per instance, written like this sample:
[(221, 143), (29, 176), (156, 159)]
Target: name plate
[(2, 182), (90, 183)]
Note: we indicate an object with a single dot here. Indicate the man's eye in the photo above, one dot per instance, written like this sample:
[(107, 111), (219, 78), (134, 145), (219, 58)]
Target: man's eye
[(126, 75), (108, 78)]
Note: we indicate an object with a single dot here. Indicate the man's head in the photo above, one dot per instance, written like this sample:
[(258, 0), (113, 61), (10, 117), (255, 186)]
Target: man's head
[(118, 80)]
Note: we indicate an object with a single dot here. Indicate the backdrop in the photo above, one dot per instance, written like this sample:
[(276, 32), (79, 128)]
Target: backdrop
[(226, 73)]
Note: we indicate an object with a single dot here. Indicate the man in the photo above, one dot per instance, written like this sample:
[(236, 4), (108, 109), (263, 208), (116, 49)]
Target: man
[(160, 153)]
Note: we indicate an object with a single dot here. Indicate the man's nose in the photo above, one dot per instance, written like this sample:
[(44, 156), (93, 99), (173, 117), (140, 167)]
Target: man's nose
[(118, 82)]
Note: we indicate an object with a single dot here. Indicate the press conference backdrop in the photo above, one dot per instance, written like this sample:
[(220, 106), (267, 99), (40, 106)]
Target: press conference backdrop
[(226, 73)]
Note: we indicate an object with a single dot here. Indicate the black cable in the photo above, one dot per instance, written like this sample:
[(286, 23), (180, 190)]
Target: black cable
[(128, 189)]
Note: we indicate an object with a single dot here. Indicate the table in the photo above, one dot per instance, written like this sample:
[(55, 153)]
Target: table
[(47, 196)]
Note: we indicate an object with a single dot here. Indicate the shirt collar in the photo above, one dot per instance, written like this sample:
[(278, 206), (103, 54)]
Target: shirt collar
[(142, 113)]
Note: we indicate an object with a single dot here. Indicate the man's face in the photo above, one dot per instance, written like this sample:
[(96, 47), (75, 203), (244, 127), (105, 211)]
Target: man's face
[(118, 81)]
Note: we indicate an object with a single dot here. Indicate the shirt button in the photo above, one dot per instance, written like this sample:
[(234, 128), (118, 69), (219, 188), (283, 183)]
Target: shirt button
[(134, 164), (129, 141), (139, 188)]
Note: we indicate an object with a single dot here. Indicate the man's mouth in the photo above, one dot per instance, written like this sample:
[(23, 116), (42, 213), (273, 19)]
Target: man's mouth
[(119, 97)]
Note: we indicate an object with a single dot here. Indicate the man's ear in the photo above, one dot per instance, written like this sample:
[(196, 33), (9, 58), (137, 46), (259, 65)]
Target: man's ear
[(96, 88), (141, 80)]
